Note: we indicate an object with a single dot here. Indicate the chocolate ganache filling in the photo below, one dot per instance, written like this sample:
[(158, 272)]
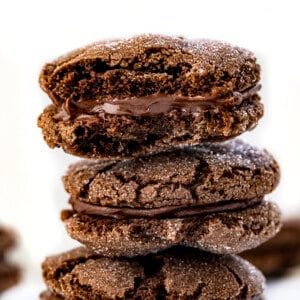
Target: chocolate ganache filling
[(150, 105), (178, 211)]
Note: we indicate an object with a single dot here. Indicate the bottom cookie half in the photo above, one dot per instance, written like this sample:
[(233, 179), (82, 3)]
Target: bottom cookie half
[(222, 233)]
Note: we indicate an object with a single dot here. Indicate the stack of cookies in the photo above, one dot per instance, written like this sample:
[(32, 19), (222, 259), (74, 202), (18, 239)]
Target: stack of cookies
[(162, 201), (9, 272)]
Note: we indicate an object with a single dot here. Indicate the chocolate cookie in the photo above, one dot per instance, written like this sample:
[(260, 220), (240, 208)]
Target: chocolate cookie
[(224, 232), (279, 254), (171, 183), (174, 274), (149, 93)]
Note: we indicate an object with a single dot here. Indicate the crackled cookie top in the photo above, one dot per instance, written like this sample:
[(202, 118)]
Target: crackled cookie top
[(174, 274), (202, 175)]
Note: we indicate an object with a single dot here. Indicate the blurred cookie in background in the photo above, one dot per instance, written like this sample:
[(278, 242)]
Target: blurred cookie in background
[(278, 255), (9, 272)]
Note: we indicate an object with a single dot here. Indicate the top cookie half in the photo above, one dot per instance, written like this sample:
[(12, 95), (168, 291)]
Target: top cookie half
[(148, 93)]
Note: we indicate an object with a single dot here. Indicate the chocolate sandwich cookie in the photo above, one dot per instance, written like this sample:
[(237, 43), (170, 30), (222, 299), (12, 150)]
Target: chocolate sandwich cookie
[(148, 93), (208, 196), (174, 274), (279, 254)]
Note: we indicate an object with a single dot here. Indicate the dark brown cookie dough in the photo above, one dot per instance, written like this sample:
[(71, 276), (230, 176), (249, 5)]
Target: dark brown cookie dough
[(227, 232), (147, 94), (199, 175), (278, 255), (179, 273)]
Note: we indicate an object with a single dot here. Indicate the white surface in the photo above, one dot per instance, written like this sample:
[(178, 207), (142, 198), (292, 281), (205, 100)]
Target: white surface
[(33, 32)]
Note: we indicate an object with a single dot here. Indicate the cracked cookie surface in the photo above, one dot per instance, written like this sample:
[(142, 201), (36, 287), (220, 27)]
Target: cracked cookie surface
[(199, 175)]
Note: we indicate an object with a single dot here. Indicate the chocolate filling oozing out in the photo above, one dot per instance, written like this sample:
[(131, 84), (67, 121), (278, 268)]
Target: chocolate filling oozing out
[(179, 211), (150, 105), (125, 136)]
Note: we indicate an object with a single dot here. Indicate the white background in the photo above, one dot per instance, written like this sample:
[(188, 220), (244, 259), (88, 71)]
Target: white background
[(34, 32)]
